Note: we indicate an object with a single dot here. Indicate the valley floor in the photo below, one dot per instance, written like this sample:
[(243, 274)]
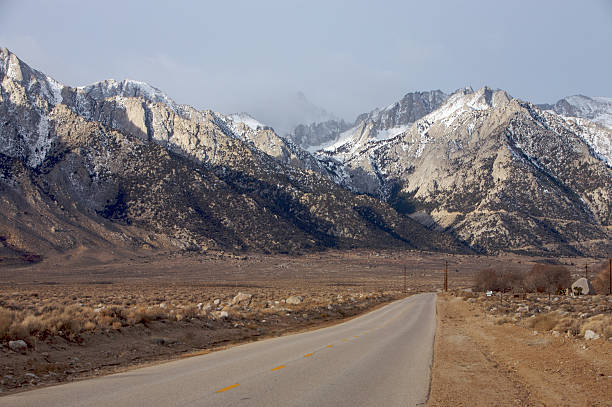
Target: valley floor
[(89, 313)]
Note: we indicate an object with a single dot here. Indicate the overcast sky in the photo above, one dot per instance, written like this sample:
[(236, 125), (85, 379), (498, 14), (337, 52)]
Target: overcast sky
[(345, 56)]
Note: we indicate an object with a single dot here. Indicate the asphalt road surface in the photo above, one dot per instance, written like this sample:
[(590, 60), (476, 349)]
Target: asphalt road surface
[(382, 358)]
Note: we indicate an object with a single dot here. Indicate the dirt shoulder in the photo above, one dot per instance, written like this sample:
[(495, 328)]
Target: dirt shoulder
[(480, 363)]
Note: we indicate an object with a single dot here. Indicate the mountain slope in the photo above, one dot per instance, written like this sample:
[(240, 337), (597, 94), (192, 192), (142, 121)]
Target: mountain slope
[(499, 173), (119, 164)]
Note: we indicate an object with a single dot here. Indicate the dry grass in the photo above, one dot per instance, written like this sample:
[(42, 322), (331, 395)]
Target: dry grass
[(70, 311), (571, 316)]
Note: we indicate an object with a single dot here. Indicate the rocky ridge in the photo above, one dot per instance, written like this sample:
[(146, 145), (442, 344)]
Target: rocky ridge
[(121, 164)]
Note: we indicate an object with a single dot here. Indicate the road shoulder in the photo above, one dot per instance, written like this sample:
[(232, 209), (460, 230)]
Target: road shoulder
[(479, 363)]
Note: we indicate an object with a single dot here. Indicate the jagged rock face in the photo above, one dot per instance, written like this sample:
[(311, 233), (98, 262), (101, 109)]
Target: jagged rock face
[(409, 109), (120, 164), (499, 173), (596, 109), (378, 126)]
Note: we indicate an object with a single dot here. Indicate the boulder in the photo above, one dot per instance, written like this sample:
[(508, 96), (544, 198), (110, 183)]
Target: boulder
[(294, 300), (220, 314), (583, 285), (18, 346), (588, 334), (242, 299)]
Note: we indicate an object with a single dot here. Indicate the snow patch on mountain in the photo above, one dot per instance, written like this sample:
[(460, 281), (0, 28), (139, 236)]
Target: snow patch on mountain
[(42, 143), (387, 134), (343, 138), (246, 119)]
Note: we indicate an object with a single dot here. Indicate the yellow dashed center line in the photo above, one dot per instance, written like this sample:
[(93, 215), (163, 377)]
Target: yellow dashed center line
[(227, 388), (306, 356)]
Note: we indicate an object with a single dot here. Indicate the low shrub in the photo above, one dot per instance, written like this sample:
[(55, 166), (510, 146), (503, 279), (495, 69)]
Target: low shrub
[(543, 322)]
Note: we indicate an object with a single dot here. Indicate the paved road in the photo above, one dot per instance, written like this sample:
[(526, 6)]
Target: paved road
[(382, 358)]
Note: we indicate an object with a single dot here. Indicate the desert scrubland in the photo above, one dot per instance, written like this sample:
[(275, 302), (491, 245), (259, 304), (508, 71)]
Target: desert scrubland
[(91, 313)]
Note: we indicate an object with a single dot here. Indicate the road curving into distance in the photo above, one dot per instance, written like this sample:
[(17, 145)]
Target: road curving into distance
[(382, 358)]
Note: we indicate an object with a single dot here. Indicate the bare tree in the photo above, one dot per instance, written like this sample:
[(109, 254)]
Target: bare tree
[(548, 278)]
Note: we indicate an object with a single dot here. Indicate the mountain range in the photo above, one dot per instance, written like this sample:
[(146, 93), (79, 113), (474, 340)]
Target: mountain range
[(120, 164), (496, 172)]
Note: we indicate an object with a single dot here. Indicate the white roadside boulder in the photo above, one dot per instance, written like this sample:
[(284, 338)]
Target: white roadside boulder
[(588, 334), (584, 286), (242, 299), (294, 300)]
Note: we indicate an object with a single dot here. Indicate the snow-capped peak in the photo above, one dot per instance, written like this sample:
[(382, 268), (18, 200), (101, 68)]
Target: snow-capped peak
[(466, 99), (127, 88)]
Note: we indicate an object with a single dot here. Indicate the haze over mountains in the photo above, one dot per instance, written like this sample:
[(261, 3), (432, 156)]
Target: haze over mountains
[(119, 163)]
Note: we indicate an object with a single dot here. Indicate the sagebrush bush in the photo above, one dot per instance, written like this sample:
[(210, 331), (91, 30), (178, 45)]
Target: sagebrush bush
[(543, 322), (6, 319)]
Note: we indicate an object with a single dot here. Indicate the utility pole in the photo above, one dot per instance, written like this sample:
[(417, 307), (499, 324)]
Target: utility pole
[(610, 274), (405, 279), (446, 275), (586, 270)]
